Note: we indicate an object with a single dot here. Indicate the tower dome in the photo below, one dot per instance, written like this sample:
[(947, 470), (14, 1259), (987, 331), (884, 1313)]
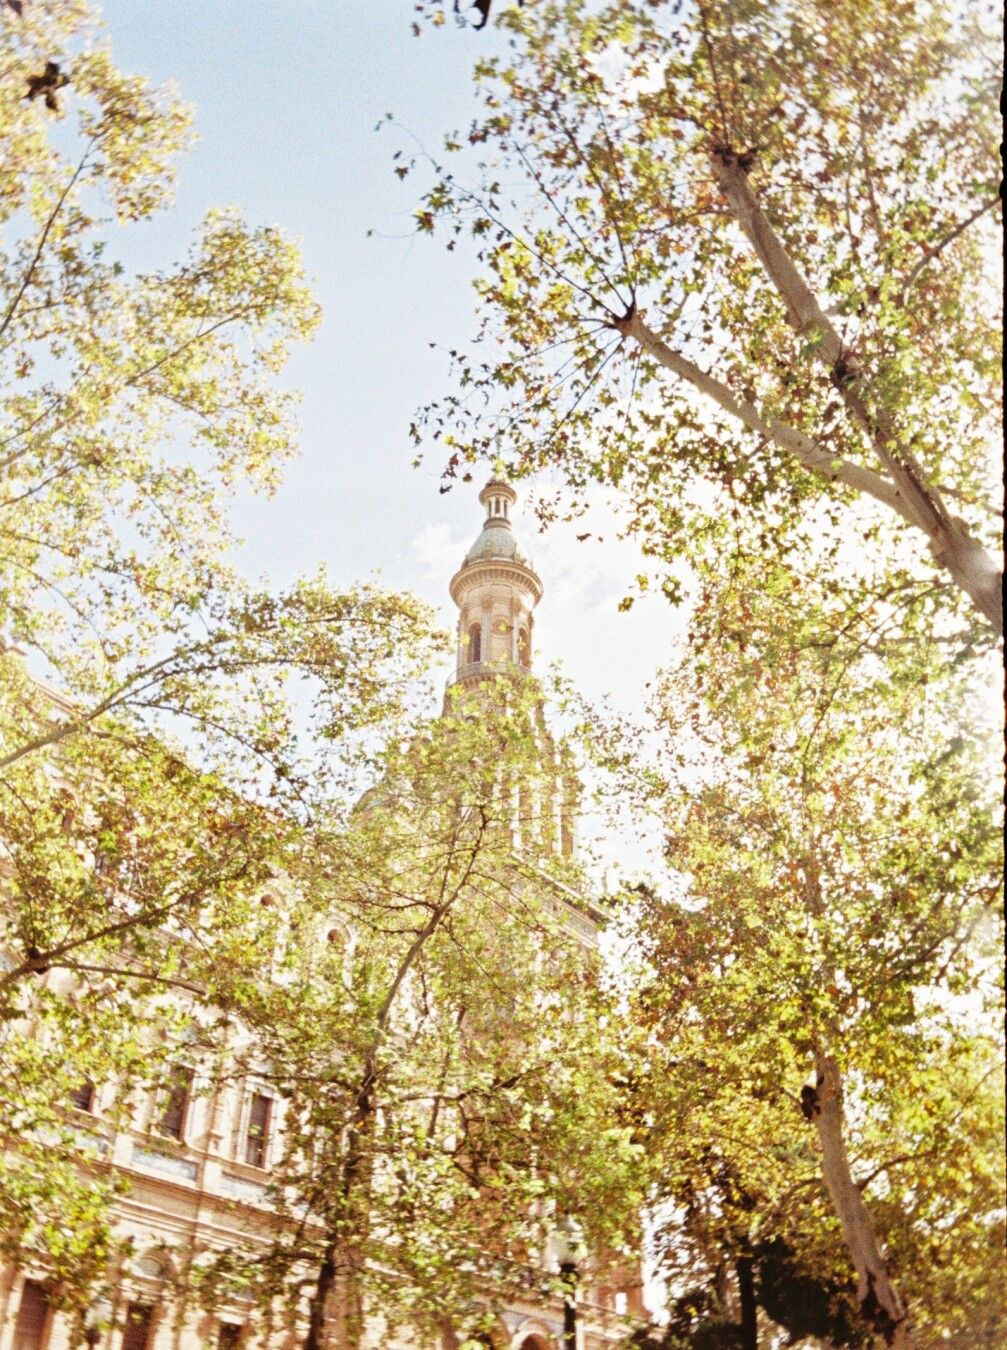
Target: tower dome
[(496, 590), (497, 537)]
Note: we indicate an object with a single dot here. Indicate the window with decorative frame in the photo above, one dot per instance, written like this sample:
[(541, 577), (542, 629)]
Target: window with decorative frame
[(257, 1129), (174, 1113)]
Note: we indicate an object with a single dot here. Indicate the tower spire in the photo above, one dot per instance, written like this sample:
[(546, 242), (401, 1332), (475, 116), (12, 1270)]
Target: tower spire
[(496, 590)]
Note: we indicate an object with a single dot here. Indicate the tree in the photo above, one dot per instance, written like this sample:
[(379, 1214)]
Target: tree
[(134, 866), (821, 983), (787, 208), (444, 1052), (150, 790), (133, 405), (737, 258)]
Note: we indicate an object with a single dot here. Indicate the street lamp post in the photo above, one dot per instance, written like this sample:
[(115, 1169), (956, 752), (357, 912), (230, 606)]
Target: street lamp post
[(96, 1321), (567, 1245), (568, 1274)]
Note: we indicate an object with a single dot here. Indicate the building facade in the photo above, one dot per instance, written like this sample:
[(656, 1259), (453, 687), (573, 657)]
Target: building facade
[(197, 1159)]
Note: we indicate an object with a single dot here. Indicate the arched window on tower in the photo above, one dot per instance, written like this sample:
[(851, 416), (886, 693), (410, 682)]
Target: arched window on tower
[(524, 648), (475, 651)]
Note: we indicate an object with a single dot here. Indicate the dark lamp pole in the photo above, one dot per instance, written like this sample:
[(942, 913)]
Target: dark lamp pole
[(568, 1274), (568, 1244), (96, 1321)]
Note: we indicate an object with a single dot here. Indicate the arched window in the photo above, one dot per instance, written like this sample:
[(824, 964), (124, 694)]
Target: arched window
[(475, 652), (151, 1266)]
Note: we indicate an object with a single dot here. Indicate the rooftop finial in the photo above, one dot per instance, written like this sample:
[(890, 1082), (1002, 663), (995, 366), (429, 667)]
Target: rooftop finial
[(498, 497)]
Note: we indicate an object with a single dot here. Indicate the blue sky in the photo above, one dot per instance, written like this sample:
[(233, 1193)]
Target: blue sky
[(287, 96)]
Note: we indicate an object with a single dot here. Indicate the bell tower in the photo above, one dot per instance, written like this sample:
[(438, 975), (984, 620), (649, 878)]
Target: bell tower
[(496, 590)]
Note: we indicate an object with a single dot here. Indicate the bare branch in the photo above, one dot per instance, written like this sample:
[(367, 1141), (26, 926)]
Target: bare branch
[(43, 239), (942, 244)]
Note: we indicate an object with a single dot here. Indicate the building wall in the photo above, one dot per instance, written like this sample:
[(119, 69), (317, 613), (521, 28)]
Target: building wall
[(200, 1192)]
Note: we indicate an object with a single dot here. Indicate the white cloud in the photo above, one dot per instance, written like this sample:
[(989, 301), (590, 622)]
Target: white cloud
[(438, 549)]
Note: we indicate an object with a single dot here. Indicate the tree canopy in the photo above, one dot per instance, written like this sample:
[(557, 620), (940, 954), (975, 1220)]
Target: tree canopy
[(194, 729), (737, 260), (446, 1053), (821, 984), (732, 263), (409, 991)]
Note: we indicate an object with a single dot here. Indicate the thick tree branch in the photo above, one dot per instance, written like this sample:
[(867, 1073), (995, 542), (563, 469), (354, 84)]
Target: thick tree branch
[(124, 972), (805, 314), (951, 543), (145, 919), (811, 456)]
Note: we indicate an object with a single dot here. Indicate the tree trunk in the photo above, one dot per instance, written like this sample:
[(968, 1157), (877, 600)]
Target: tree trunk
[(336, 1314), (336, 1308), (880, 1305), (349, 1302), (971, 569), (746, 1296), (449, 1337), (318, 1313), (337, 1304)]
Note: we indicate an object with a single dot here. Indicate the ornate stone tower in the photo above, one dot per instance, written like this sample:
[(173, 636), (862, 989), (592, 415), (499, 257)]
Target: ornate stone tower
[(496, 590)]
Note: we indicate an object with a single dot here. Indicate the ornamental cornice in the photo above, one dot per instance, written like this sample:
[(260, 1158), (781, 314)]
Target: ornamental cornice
[(494, 569)]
